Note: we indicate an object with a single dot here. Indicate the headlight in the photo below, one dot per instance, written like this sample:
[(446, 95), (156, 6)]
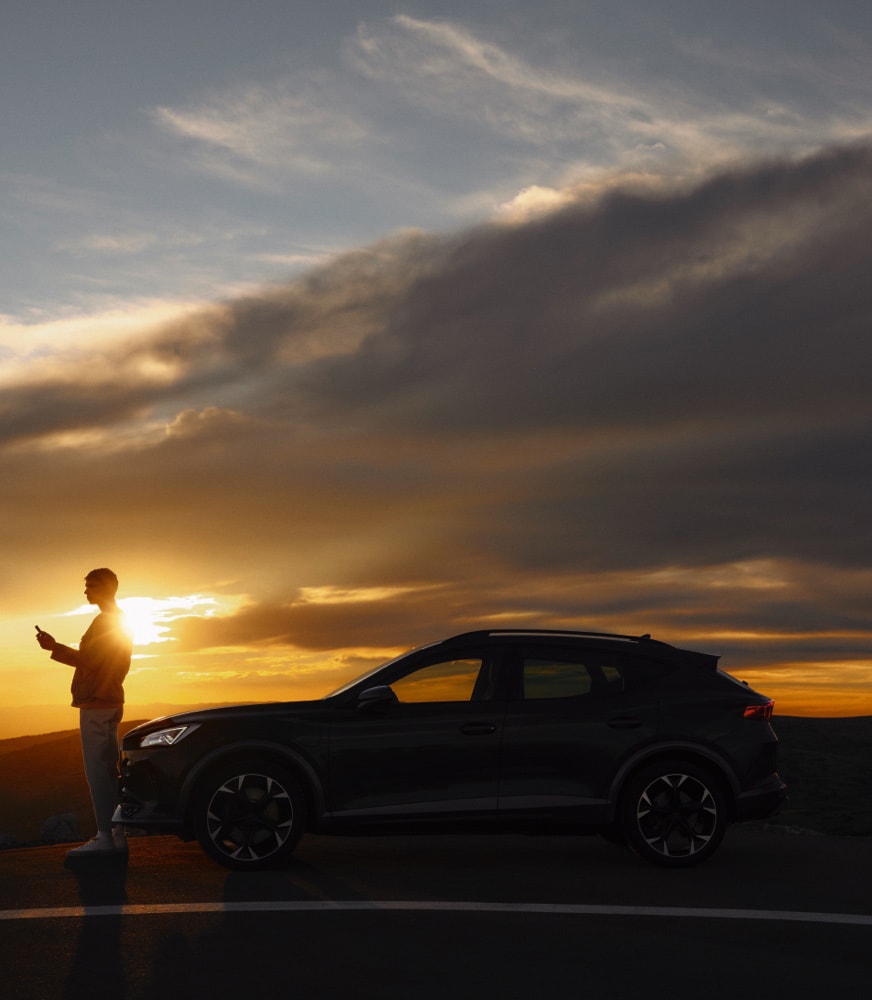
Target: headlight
[(166, 737)]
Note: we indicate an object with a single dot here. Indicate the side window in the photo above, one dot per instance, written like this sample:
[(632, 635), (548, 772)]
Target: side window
[(555, 678), (584, 673), (451, 680), (613, 679)]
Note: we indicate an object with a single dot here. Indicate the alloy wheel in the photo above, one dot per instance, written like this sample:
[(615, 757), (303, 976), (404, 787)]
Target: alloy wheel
[(250, 818), (677, 815)]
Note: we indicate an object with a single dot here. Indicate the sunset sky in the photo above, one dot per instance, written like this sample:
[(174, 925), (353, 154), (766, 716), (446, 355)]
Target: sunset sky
[(338, 328)]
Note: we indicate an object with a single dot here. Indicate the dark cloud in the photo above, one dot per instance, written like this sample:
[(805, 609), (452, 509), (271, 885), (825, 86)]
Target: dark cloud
[(739, 295), (661, 378), (325, 626)]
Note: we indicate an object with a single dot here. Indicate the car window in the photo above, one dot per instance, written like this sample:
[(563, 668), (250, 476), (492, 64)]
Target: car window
[(571, 674), (551, 678), (448, 680)]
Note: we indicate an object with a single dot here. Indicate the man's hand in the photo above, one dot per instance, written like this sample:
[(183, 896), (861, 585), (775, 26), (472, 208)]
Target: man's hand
[(44, 639)]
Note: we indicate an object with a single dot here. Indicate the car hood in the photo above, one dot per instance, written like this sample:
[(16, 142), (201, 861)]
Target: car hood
[(205, 715)]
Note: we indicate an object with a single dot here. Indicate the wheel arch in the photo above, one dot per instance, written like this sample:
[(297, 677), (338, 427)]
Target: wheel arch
[(692, 753), (248, 750)]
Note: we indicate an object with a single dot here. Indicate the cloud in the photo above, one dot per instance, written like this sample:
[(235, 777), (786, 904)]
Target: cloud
[(407, 88), (445, 54), (258, 131), (534, 200), (111, 243), (596, 117), (647, 411), (743, 612)]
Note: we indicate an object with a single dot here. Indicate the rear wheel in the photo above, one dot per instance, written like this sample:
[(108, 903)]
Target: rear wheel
[(674, 813), (250, 815)]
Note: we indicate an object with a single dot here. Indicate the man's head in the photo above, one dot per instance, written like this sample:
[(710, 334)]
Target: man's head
[(101, 585)]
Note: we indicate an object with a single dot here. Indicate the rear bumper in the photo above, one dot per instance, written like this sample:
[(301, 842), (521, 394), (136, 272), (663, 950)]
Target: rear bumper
[(762, 800)]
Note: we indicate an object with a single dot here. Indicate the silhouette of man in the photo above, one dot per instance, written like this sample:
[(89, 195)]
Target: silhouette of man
[(101, 663)]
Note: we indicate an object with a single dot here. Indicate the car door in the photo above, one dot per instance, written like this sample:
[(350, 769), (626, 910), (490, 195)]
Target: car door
[(433, 752), (573, 715)]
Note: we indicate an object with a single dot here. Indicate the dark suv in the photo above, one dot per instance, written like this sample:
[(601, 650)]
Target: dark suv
[(548, 731)]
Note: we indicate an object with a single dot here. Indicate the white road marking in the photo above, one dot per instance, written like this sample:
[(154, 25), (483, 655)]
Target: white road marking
[(431, 906)]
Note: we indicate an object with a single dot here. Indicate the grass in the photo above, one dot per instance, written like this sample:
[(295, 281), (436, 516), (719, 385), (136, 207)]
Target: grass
[(827, 764), (40, 777)]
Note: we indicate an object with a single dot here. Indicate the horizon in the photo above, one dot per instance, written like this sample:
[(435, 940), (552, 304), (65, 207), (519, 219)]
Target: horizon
[(336, 339), (23, 721), (139, 717)]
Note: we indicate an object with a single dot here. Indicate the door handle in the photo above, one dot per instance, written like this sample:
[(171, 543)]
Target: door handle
[(478, 729), (625, 722)]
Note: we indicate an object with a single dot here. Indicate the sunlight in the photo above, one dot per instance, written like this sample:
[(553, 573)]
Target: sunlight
[(149, 618), (145, 619), (351, 595)]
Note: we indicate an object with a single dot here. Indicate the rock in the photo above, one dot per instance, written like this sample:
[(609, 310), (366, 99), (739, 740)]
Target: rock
[(61, 829)]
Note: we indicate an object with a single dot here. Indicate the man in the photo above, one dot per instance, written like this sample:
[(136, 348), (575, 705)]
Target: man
[(101, 663)]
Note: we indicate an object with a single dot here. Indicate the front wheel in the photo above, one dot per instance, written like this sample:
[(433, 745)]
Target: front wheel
[(250, 815), (674, 813)]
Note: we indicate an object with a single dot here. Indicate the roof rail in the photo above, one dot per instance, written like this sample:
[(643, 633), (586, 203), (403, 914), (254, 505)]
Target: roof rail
[(481, 633)]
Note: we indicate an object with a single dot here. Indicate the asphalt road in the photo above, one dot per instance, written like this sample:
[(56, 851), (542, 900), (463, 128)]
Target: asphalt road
[(397, 918)]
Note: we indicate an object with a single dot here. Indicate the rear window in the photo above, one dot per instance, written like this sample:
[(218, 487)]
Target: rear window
[(585, 673), (549, 678)]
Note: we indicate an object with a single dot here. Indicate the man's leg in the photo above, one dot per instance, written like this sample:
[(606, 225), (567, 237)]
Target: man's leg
[(99, 731)]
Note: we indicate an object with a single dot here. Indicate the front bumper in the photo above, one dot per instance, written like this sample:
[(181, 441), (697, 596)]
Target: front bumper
[(147, 800), (146, 816)]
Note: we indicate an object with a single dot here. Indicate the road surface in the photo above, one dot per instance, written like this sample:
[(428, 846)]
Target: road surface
[(413, 918)]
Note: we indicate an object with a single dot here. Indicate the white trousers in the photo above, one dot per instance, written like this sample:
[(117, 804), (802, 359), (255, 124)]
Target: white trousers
[(99, 729)]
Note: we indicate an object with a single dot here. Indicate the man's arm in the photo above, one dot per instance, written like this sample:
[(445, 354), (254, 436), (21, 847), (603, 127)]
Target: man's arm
[(66, 654), (59, 652)]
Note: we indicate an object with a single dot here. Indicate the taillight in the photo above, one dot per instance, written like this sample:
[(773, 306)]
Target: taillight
[(760, 711)]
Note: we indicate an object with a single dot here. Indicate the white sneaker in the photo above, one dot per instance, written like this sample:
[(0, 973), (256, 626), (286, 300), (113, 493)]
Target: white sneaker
[(103, 844), (94, 848)]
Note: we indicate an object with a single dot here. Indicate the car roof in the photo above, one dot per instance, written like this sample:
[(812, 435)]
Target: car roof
[(547, 633), (603, 640)]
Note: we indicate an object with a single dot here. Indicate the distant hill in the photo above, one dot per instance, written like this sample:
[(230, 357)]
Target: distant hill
[(42, 776), (827, 764), (23, 720)]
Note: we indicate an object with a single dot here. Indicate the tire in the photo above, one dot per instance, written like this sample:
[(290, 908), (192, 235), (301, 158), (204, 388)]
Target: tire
[(674, 813), (250, 815)]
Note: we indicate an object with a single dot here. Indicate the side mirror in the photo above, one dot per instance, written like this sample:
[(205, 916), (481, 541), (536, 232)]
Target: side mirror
[(376, 697)]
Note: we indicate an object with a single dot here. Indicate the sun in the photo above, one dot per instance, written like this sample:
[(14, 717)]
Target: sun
[(149, 619), (145, 620)]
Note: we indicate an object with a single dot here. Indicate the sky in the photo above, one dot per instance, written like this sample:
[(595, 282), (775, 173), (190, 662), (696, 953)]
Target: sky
[(335, 329)]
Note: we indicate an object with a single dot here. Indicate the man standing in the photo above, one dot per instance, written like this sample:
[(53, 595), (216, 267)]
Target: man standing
[(101, 663)]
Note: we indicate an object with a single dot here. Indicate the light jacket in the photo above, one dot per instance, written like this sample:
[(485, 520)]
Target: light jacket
[(101, 662)]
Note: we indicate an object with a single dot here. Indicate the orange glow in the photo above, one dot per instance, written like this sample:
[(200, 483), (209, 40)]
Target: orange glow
[(824, 690), (226, 647), (450, 681), (149, 620)]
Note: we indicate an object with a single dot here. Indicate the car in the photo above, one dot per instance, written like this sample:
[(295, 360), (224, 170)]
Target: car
[(549, 731)]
